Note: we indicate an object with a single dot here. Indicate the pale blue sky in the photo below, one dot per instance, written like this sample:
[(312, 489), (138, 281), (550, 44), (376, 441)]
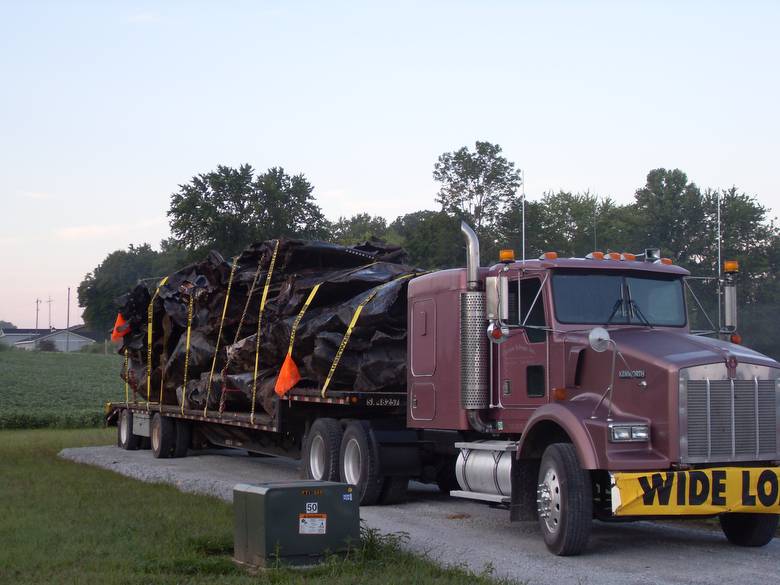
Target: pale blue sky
[(105, 107)]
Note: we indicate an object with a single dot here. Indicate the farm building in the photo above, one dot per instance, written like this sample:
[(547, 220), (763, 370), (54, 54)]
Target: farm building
[(72, 339)]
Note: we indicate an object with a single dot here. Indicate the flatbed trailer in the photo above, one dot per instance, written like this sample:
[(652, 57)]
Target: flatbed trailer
[(305, 425)]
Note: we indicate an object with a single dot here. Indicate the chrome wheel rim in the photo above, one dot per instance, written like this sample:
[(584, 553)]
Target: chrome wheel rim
[(156, 437), (317, 457), (549, 500), (352, 462)]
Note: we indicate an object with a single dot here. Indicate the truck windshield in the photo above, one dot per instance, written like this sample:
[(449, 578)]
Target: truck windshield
[(599, 298)]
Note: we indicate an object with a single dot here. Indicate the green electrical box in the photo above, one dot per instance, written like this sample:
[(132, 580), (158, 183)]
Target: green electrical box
[(294, 522)]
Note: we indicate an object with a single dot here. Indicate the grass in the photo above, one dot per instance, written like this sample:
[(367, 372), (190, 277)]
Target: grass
[(42, 389), (66, 523)]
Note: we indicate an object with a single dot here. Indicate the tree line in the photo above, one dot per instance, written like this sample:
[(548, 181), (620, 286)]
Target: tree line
[(229, 208)]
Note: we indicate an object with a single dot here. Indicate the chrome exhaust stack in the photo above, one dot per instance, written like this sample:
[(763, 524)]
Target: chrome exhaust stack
[(474, 357), (472, 256)]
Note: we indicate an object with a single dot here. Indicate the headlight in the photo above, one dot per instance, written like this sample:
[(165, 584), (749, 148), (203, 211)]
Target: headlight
[(623, 433)]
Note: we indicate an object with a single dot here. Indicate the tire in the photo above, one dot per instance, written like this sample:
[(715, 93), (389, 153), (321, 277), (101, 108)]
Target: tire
[(565, 501), (321, 450), (749, 529), (163, 434), (124, 432), (359, 462), (394, 490), (183, 438)]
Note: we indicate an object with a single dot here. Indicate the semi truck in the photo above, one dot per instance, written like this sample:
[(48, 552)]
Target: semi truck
[(562, 389)]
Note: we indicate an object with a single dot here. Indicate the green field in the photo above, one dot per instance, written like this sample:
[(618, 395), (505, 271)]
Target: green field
[(63, 522), (42, 389)]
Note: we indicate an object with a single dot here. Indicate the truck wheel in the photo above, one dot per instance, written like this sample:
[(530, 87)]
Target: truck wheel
[(360, 465), (749, 529), (163, 433), (394, 490), (321, 450), (565, 501), (183, 438), (124, 432)]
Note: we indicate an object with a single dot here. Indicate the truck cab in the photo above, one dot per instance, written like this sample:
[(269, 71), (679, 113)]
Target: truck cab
[(560, 372)]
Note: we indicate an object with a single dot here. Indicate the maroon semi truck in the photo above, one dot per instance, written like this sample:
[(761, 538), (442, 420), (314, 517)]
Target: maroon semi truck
[(564, 389)]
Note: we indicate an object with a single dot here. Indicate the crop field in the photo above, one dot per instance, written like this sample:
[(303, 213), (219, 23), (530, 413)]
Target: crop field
[(42, 389)]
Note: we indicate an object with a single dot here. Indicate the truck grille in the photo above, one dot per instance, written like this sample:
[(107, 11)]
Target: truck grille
[(728, 420)]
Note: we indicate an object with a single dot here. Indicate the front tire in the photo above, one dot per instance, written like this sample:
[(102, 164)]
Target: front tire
[(565, 501), (321, 450), (749, 529)]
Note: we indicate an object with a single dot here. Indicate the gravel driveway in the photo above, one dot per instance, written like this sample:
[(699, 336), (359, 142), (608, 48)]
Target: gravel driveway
[(456, 531)]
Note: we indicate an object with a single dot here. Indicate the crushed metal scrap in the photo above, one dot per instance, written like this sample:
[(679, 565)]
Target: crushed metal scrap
[(357, 293)]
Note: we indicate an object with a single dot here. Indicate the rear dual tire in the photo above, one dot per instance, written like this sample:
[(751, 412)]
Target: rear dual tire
[(124, 432)]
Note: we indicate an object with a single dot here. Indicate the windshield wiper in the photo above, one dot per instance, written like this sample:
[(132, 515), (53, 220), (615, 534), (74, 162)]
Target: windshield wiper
[(634, 306), (618, 305)]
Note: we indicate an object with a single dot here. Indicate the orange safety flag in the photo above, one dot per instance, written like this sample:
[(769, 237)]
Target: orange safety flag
[(289, 375), (121, 328)]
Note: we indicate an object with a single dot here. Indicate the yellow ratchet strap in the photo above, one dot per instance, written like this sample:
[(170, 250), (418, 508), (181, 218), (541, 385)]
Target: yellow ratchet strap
[(297, 321), (150, 319), (238, 333), (351, 326), (259, 323), (219, 334), (187, 350), (127, 384)]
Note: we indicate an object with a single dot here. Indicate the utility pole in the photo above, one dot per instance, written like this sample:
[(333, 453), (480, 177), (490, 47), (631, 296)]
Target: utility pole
[(67, 326), (49, 302), (37, 309)]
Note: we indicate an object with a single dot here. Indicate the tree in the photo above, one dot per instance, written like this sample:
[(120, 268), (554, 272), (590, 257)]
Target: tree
[(476, 186), (431, 238), (6, 325), (119, 271), (358, 228), (670, 215), (228, 209)]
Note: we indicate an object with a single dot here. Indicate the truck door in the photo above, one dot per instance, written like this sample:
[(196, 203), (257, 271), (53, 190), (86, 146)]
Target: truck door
[(523, 358)]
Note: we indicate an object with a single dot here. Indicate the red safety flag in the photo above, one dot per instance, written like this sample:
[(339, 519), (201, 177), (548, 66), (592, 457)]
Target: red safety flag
[(289, 376), (121, 328)]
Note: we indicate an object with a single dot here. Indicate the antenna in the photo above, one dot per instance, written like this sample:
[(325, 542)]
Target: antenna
[(720, 266), (67, 326), (522, 179)]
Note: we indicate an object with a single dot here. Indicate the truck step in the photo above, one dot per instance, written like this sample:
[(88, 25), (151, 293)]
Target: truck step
[(488, 445), (494, 498)]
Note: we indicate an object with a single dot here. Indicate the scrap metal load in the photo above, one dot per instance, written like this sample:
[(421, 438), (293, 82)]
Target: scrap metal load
[(284, 314)]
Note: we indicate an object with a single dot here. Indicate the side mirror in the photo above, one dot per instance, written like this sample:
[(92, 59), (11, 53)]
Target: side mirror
[(599, 339), (497, 298)]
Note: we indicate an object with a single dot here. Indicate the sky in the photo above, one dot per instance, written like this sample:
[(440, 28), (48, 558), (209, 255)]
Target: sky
[(106, 107)]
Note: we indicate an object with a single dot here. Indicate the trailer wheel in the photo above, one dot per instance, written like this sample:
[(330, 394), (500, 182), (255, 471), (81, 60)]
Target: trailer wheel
[(749, 529), (183, 439), (321, 450), (124, 432), (394, 490), (565, 501), (163, 433), (360, 464)]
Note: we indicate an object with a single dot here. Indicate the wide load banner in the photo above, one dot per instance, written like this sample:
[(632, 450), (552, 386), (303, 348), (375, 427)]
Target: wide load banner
[(697, 492)]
